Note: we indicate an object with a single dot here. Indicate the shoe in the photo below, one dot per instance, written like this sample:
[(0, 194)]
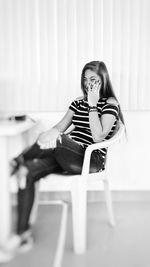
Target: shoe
[(26, 241), (12, 244), (5, 256), (19, 243), (26, 245)]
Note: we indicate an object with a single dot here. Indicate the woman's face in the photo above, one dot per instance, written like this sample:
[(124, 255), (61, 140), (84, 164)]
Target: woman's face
[(91, 79)]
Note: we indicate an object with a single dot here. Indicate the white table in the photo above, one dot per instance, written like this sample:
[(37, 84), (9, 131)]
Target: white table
[(14, 137)]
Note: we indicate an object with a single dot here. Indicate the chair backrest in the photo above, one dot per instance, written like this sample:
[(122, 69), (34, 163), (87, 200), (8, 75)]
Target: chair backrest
[(100, 145), (119, 133), (116, 137)]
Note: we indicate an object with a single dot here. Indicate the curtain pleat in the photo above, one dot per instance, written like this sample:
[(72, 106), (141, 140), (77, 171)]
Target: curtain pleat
[(44, 45)]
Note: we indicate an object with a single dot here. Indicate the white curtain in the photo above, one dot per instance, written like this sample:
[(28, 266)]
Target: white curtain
[(44, 45)]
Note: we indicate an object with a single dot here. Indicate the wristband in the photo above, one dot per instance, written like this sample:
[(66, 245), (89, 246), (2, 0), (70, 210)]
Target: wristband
[(94, 108)]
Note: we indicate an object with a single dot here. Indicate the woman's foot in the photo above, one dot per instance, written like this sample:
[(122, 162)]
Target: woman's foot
[(27, 241), (20, 243)]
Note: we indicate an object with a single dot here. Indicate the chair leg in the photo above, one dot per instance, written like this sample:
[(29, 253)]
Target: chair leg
[(62, 234), (79, 210), (109, 202)]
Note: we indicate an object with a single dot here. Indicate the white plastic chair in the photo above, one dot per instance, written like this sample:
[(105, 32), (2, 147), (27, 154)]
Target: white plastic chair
[(78, 185)]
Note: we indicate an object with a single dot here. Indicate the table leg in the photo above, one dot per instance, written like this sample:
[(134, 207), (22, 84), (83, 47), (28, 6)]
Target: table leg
[(5, 209)]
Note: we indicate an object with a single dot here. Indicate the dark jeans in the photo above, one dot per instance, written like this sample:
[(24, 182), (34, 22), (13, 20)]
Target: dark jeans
[(67, 156)]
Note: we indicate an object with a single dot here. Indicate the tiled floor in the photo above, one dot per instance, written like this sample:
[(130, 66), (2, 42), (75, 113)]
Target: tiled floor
[(126, 245)]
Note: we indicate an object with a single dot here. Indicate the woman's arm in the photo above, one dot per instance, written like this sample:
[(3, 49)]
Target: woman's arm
[(48, 139), (65, 122), (101, 127), (70, 129)]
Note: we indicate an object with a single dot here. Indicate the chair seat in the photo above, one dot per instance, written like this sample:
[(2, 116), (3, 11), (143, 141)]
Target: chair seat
[(65, 182), (94, 181), (49, 183), (52, 181)]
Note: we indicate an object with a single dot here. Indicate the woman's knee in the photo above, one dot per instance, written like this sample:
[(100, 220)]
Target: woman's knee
[(24, 177)]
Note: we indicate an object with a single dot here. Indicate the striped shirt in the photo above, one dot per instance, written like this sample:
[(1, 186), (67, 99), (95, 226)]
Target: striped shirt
[(82, 132)]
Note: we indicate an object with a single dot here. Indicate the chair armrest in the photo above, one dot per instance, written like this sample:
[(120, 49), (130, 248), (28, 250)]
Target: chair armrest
[(103, 144)]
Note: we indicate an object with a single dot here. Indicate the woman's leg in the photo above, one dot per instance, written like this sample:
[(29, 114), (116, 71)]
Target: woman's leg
[(35, 170), (32, 152)]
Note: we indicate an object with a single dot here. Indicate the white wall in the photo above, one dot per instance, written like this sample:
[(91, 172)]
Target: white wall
[(129, 164)]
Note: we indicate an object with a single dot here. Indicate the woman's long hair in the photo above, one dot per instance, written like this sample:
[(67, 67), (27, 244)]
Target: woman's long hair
[(106, 91)]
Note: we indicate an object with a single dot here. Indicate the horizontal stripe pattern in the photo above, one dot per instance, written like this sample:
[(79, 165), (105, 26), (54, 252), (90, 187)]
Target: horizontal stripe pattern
[(82, 132)]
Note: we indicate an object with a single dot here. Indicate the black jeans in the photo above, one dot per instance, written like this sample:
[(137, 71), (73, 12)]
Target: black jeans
[(67, 156)]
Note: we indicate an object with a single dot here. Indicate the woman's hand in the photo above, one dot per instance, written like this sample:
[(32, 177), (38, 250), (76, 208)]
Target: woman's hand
[(48, 139), (93, 93)]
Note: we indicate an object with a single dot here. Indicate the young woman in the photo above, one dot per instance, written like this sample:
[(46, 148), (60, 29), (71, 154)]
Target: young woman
[(94, 117)]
